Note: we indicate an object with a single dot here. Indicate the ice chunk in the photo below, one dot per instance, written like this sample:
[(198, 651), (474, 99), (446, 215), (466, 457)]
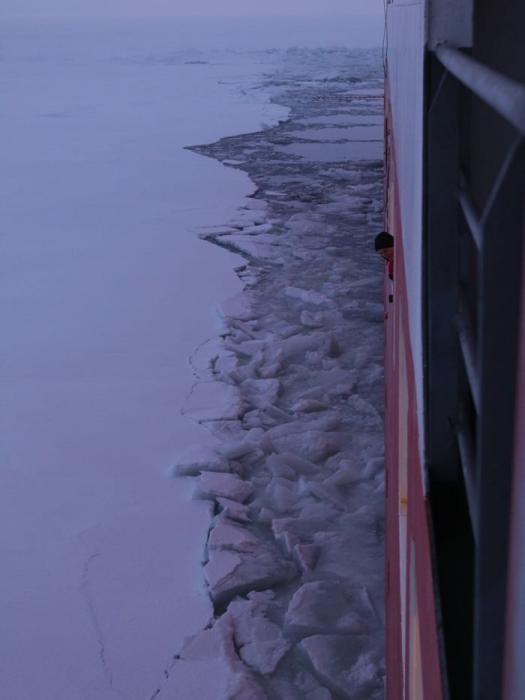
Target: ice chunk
[(234, 510), (306, 556), (288, 541), (279, 467), (261, 392), (307, 296), (264, 656), (298, 464), (346, 473), (229, 428), (247, 216), (211, 485), (252, 419), (229, 573), (327, 422), (210, 669), (319, 694), (342, 389), (266, 515), (339, 663), (224, 365), (227, 535), (211, 232), (314, 445), (260, 641), (330, 606), (241, 562), (204, 645), (249, 348), (258, 205), (272, 367), (252, 246), (273, 414), (364, 408), (204, 679), (309, 406), (251, 441), (213, 401), (282, 494), (220, 570), (197, 459), (280, 525), (299, 690), (258, 228), (245, 687), (307, 524), (374, 467), (365, 309), (312, 319), (304, 225)]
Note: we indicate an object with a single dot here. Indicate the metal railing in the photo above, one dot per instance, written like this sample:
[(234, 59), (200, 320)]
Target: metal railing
[(504, 95), (483, 351)]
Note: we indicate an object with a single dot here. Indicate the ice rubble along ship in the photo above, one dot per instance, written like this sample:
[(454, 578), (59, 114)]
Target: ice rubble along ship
[(455, 349)]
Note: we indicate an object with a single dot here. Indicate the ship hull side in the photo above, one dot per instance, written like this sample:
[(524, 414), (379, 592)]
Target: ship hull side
[(412, 648), (412, 642)]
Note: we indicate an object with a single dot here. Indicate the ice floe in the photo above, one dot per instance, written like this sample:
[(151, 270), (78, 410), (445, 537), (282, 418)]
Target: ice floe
[(211, 485), (294, 559)]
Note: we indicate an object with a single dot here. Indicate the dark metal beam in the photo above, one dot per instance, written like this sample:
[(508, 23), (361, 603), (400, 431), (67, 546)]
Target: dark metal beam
[(504, 95), (468, 465), (470, 213), (468, 351), (441, 275), (500, 285)]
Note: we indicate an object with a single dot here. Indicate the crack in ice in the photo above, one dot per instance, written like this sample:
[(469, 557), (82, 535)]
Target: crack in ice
[(106, 669)]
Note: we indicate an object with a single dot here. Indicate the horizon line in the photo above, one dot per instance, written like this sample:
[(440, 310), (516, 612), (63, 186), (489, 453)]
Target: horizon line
[(195, 17)]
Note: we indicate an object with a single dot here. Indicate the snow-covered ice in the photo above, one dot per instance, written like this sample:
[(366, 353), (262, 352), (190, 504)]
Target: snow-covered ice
[(105, 292), (241, 562), (211, 486), (121, 251), (346, 670)]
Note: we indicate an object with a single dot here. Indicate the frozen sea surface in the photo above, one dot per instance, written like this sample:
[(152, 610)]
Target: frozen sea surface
[(105, 292), (294, 557), (113, 372)]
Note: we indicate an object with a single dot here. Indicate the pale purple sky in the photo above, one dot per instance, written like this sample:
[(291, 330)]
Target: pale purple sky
[(191, 8)]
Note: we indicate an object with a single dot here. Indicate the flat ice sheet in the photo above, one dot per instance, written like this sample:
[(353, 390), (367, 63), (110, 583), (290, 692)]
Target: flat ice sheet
[(335, 152), (104, 294)]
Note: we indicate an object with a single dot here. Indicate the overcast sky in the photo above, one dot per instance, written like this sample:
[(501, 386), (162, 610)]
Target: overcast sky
[(190, 8)]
